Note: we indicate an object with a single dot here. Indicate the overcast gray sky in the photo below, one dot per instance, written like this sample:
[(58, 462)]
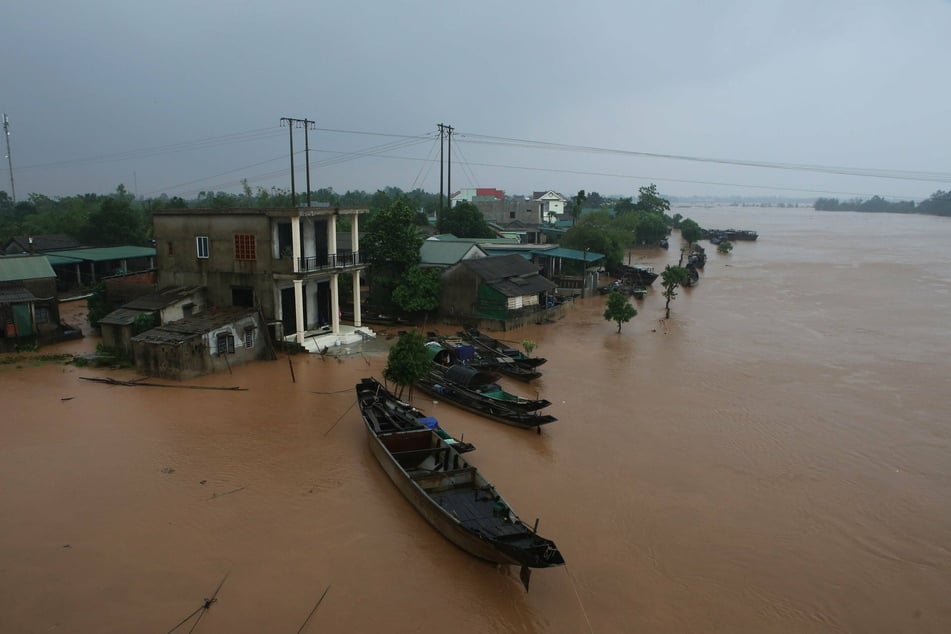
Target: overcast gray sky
[(183, 95)]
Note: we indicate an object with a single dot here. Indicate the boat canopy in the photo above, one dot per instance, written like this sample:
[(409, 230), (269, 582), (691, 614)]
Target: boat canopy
[(468, 376)]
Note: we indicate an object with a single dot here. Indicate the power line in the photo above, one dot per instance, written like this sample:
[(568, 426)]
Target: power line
[(826, 169)]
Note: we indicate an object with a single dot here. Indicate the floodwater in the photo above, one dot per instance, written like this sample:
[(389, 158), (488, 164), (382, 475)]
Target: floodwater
[(775, 457)]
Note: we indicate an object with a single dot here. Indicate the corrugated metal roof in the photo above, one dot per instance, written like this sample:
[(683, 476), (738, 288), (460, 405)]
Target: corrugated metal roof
[(512, 275), (99, 254), (122, 317), (435, 252), (161, 299), (14, 268), (177, 332), (573, 254), (16, 295)]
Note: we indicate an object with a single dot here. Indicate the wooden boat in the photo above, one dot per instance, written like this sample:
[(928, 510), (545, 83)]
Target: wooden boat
[(395, 415), (451, 494), (637, 275), (474, 380), (437, 384), (485, 342), (456, 350)]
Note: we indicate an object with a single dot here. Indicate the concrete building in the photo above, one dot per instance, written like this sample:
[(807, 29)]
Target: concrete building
[(286, 262)]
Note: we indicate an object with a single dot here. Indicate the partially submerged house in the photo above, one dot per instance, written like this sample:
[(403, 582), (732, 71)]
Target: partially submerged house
[(202, 344), (167, 305), (496, 293), (285, 262), (29, 307)]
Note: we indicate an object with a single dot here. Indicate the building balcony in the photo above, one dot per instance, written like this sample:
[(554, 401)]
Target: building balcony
[(327, 262)]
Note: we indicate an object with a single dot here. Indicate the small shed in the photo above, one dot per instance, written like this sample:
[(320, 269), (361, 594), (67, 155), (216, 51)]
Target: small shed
[(216, 340), (167, 305), (28, 303)]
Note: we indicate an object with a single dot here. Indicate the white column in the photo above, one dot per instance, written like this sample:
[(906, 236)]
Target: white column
[(332, 241), (295, 241), (335, 304), (355, 247), (299, 306), (357, 316)]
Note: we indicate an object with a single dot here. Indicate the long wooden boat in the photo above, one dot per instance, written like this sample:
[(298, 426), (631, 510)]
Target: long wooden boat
[(451, 494), (435, 384), (490, 344), (397, 415), (472, 379), (449, 350)]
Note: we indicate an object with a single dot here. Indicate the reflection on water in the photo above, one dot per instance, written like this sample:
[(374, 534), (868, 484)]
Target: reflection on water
[(775, 457)]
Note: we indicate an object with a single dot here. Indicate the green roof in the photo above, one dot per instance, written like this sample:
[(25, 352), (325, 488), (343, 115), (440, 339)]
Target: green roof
[(14, 268), (99, 254), (436, 252)]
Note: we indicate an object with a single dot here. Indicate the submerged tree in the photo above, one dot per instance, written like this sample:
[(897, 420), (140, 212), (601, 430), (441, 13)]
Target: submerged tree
[(408, 361), (619, 309), (724, 247), (671, 278)]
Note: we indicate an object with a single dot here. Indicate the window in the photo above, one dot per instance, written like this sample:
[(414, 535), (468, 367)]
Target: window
[(511, 214), (42, 315), (224, 342), (249, 337), (201, 243), (244, 247), (169, 244)]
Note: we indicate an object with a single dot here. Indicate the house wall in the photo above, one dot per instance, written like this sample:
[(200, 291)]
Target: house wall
[(179, 265), (459, 292), (510, 209), (116, 337), (199, 354), (47, 303)]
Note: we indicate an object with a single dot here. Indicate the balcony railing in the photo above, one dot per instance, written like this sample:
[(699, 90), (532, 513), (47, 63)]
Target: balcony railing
[(332, 261)]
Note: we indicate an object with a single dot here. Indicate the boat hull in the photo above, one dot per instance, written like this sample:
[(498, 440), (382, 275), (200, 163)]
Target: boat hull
[(451, 494)]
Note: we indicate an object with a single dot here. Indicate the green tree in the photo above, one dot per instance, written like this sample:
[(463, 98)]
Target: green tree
[(576, 207), (649, 200), (690, 231), (619, 309), (115, 223), (651, 228), (672, 277), (724, 247), (408, 361), (391, 247), (625, 206), (418, 290), (597, 233), (464, 220)]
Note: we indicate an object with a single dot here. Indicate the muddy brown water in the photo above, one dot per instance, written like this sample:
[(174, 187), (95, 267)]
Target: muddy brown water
[(776, 457)]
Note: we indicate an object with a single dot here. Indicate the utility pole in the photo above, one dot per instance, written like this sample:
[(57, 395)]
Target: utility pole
[(445, 132), (6, 133), (442, 134), (308, 125), (449, 130)]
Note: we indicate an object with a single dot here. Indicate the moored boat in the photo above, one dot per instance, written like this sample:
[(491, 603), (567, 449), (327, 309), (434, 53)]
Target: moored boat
[(449, 350), (396, 415), (526, 416), (451, 494), (490, 344)]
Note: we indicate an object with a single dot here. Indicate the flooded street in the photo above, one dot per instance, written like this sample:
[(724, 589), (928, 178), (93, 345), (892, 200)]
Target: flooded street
[(775, 457)]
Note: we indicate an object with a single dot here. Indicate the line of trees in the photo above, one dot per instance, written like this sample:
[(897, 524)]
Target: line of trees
[(939, 204)]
